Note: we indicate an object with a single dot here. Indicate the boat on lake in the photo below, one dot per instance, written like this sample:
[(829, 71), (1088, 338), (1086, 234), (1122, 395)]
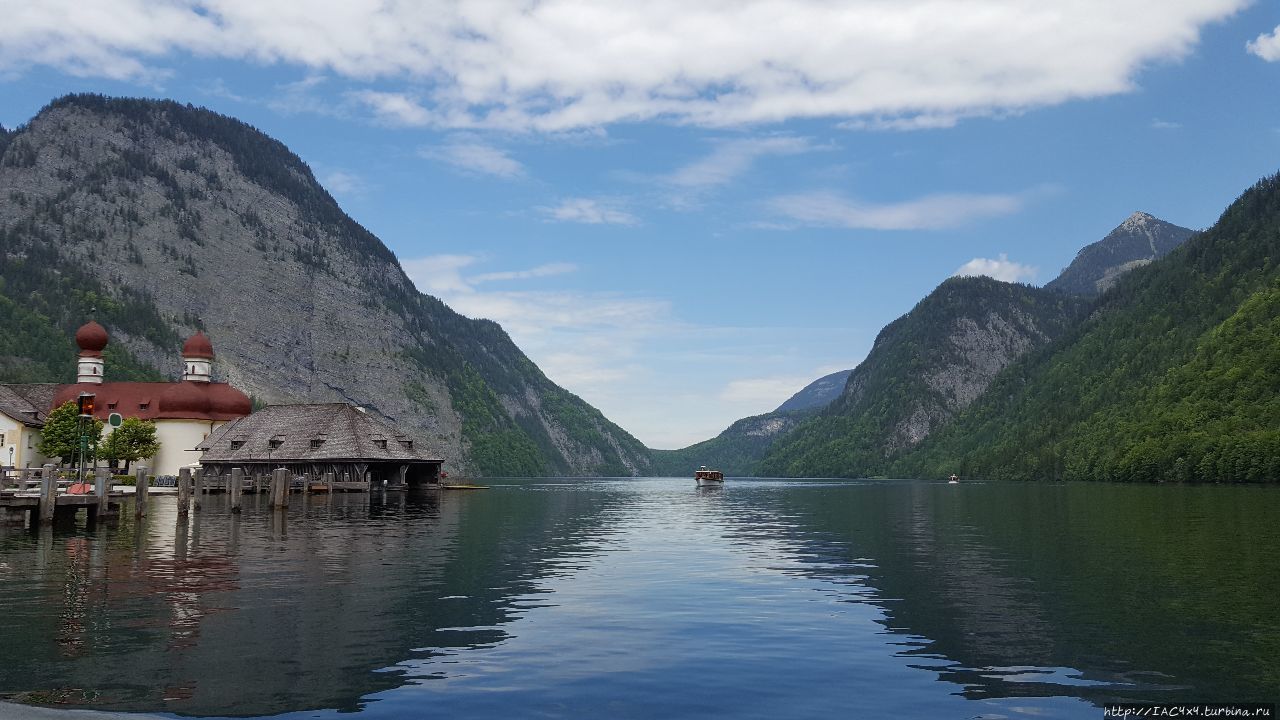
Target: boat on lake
[(953, 480), (708, 477)]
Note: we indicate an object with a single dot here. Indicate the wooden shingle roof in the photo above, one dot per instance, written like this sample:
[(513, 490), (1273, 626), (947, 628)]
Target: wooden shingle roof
[(28, 403), (311, 433)]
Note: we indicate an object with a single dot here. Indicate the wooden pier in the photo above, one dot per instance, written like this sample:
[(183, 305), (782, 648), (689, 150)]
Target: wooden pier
[(40, 497)]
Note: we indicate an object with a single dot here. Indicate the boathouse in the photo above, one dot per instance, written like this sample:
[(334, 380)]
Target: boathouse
[(317, 439)]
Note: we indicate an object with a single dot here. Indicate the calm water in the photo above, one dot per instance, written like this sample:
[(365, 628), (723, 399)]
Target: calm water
[(652, 598)]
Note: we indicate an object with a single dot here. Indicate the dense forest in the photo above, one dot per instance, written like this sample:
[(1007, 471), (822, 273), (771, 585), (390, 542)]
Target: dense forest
[(1173, 375)]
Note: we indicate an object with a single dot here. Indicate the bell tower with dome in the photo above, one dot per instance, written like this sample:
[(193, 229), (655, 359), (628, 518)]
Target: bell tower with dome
[(92, 339), (197, 358)]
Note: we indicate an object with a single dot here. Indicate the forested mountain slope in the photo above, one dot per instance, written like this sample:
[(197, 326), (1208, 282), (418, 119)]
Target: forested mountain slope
[(1172, 377), (924, 369)]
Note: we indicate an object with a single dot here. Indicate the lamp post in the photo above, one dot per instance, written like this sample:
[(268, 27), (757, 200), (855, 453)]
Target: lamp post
[(85, 404)]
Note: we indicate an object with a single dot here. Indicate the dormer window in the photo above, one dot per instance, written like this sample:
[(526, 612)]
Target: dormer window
[(275, 443), (316, 443), (237, 444), (144, 405), (381, 443), (111, 406), (406, 444)]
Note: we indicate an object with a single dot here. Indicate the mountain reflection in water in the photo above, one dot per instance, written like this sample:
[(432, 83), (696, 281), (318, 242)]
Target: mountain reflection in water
[(638, 598)]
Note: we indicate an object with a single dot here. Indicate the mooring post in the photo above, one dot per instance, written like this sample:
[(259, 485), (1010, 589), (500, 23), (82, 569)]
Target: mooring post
[(328, 480), (48, 494), (236, 488), (24, 480), (306, 484), (184, 491), (280, 488), (140, 492), (101, 485), (197, 477)]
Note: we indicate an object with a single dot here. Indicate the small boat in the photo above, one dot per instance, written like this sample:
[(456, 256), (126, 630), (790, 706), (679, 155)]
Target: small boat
[(953, 480), (708, 477)]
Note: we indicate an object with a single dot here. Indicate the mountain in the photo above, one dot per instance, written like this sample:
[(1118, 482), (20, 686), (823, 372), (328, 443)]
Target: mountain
[(1137, 241), (168, 218), (1174, 375), (924, 369), (736, 451), (817, 394)]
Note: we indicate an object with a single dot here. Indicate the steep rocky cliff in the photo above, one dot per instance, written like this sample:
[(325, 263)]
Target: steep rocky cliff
[(169, 218), (1137, 241), (924, 369)]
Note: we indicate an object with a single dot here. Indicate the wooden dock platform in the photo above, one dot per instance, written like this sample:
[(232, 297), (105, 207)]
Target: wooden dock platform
[(41, 496)]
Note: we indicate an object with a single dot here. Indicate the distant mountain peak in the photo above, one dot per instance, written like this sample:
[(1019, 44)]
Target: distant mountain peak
[(1141, 238)]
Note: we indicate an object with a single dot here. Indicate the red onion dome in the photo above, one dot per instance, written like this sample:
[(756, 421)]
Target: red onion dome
[(229, 402), (198, 346), (185, 400), (92, 338)]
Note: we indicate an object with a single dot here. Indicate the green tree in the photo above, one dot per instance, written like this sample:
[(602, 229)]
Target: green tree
[(134, 440), (60, 436)]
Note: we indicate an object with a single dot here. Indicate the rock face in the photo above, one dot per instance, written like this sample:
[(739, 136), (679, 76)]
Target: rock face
[(817, 394), (197, 221), (1137, 241), (924, 369)]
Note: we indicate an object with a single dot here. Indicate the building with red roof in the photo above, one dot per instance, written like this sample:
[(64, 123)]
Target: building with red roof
[(185, 412)]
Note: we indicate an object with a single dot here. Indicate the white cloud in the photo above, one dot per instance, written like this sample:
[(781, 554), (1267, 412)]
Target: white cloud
[(766, 391), (563, 64), (547, 270), (394, 108), (1001, 268), (1266, 46), (1158, 124), (932, 212), (592, 211), (341, 182), (731, 158), (476, 157)]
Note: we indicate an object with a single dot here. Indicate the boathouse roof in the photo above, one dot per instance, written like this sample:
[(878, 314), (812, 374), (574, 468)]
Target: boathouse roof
[(311, 433), (28, 403)]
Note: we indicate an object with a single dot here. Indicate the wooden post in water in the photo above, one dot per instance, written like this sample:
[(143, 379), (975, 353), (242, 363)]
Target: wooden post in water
[(306, 484), (48, 494), (184, 491), (197, 478), (328, 479), (140, 492), (101, 485), (280, 488), (236, 488)]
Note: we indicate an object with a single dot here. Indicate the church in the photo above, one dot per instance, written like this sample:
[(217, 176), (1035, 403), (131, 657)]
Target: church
[(185, 412)]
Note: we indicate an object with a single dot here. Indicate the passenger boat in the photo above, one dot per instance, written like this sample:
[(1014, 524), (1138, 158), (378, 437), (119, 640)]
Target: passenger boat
[(708, 477), (953, 480)]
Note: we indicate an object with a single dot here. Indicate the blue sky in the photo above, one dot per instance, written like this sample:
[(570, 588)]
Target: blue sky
[(684, 212)]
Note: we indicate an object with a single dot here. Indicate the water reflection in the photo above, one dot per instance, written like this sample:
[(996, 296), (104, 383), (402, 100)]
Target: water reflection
[(657, 598)]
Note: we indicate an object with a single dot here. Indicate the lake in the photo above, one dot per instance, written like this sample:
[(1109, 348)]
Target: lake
[(654, 598)]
